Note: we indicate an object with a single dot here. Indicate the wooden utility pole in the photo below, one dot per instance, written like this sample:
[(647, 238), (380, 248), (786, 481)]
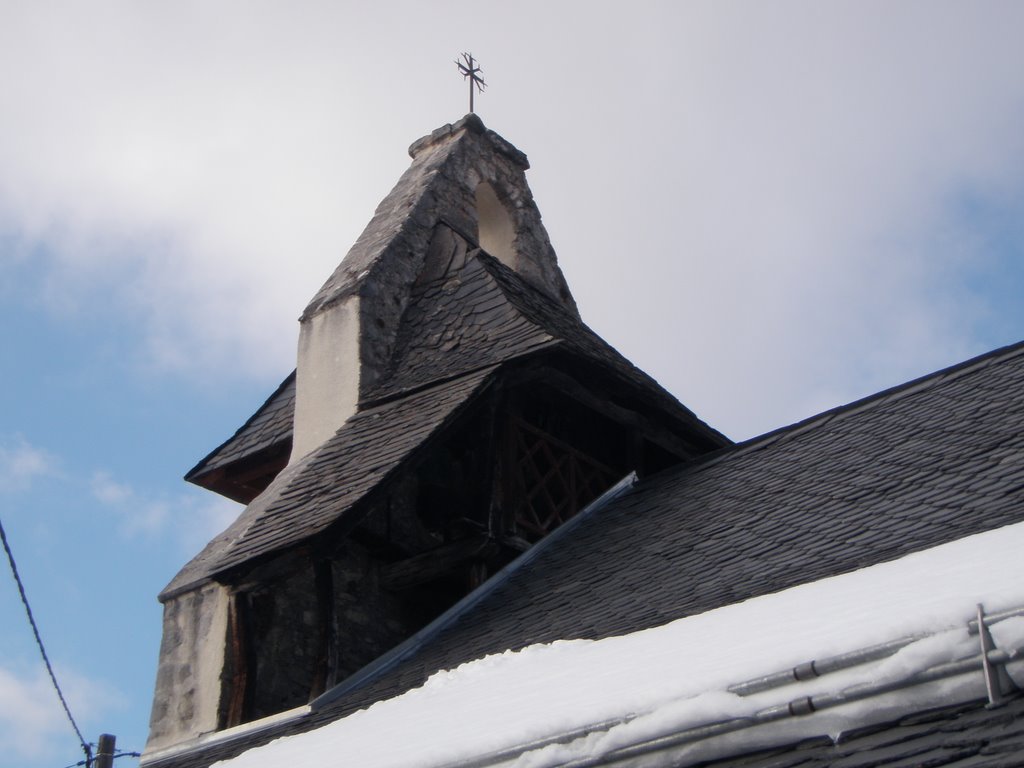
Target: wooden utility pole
[(105, 751)]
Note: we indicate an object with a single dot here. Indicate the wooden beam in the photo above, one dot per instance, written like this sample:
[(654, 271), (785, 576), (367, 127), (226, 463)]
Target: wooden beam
[(323, 578), (654, 432), (428, 566), (234, 699)]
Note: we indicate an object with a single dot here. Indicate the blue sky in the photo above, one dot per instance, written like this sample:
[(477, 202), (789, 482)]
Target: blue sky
[(773, 209)]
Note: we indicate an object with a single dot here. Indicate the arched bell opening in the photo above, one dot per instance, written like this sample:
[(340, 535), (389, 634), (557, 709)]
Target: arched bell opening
[(496, 230)]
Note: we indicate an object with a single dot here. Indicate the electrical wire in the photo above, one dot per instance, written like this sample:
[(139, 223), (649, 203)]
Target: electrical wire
[(116, 755), (42, 650)]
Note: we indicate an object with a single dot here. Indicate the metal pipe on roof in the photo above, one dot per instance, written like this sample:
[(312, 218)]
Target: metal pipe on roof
[(795, 708), (993, 618), (820, 667), (792, 709)]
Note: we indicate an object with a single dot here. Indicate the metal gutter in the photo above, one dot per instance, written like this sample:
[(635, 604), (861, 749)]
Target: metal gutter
[(411, 646), (242, 731)]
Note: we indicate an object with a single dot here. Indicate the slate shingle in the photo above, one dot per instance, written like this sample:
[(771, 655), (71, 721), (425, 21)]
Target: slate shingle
[(485, 313)]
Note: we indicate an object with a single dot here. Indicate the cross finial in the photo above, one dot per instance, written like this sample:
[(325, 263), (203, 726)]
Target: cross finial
[(469, 69)]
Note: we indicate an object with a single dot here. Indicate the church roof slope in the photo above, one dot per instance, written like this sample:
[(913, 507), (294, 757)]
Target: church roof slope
[(458, 321), (912, 468), (701, 688), (908, 469)]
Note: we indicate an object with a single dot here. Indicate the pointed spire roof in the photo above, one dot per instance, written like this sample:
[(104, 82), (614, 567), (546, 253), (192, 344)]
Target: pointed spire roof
[(432, 303), (441, 186)]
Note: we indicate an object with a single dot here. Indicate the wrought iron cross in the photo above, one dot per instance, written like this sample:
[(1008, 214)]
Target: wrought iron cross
[(469, 69)]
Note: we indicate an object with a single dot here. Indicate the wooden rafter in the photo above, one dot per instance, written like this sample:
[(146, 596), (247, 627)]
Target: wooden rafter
[(554, 479)]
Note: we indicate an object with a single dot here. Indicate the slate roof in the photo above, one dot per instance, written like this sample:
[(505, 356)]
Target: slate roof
[(967, 735), (324, 486), (910, 468), (962, 736), (478, 315), (484, 313), (271, 425), (459, 321)]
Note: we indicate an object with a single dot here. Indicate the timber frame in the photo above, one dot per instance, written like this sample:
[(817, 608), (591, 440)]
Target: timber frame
[(527, 455)]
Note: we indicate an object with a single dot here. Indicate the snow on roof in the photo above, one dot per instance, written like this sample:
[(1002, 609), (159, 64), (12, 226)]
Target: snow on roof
[(594, 697)]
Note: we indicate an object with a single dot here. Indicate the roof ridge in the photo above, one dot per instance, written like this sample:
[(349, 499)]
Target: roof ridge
[(889, 394), (472, 275), (547, 314)]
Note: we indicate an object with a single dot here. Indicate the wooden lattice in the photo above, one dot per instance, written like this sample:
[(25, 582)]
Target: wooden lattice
[(554, 481)]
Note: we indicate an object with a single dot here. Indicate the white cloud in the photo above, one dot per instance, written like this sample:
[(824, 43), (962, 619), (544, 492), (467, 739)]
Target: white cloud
[(191, 519), (21, 463), (139, 516), (776, 189), (206, 515), (799, 237), (186, 188), (109, 492), (33, 726)]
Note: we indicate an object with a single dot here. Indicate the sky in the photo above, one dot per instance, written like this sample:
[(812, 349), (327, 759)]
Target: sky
[(773, 208)]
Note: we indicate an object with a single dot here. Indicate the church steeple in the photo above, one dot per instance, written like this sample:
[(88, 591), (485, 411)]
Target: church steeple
[(465, 181), (449, 410)]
